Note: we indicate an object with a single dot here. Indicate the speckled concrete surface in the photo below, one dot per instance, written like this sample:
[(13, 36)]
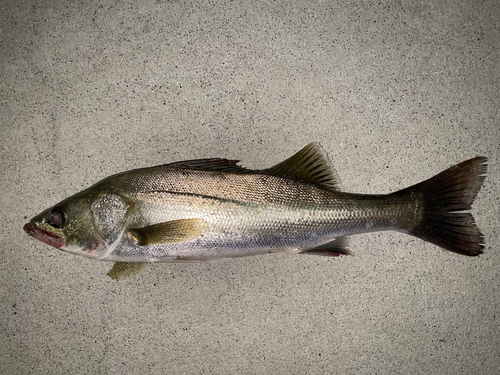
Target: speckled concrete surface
[(395, 91)]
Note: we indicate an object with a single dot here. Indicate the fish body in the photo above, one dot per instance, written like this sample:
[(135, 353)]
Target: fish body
[(210, 209)]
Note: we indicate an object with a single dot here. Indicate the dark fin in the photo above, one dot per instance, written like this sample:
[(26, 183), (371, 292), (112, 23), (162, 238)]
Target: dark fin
[(333, 249), (122, 270), (445, 197), (170, 232), (311, 164), (215, 164)]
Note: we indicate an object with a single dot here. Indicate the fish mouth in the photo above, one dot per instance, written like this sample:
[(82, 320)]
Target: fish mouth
[(47, 237)]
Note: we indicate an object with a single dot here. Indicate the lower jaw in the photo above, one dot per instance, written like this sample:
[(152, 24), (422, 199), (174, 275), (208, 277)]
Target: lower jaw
[(44, 236)]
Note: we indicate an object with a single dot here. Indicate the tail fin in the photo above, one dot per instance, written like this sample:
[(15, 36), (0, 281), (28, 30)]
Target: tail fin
[(446, 196)]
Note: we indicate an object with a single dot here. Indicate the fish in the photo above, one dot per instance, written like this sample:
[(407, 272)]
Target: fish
[(214, 209)]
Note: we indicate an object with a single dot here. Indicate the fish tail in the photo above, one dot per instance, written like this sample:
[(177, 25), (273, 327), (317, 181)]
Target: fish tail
[(444, 198)]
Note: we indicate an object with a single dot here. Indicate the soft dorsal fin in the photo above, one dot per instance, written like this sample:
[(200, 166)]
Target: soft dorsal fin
[(214, 164), (311, 164)]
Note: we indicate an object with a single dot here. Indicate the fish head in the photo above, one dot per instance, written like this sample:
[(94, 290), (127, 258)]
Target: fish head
[(68, 226)]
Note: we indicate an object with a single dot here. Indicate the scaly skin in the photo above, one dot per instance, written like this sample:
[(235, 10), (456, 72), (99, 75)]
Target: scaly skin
[(245, 214), (210, 209)]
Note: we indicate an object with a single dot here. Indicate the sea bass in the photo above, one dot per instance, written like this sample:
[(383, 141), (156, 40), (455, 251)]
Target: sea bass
[(211, 209)]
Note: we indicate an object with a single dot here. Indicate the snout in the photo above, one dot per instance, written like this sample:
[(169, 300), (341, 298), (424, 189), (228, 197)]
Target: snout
[(47, 237)]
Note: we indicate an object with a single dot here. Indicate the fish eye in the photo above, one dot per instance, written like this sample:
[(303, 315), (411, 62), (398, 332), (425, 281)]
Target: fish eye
[(57, 217)]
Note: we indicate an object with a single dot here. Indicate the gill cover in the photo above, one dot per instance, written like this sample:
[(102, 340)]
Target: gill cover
[(109, 212)]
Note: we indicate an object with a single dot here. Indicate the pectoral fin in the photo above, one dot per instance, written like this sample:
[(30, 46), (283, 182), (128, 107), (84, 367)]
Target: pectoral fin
[(122, 270), (169, 232)]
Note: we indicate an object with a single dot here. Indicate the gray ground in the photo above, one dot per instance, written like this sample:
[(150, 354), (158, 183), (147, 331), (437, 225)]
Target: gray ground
[(395, 91)]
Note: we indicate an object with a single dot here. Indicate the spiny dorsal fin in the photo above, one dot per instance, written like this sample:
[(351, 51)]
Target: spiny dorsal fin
[(311, 164), (214, 164), (122, 270), (174, 231)]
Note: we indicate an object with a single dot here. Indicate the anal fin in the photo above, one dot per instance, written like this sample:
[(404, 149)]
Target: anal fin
[(333, 249), (122, 270)]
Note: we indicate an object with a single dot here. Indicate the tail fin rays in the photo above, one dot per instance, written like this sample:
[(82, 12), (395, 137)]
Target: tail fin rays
[(446, 196)]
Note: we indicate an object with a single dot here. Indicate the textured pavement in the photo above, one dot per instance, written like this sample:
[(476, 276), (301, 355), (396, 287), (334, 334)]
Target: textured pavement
[(395, 92)]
